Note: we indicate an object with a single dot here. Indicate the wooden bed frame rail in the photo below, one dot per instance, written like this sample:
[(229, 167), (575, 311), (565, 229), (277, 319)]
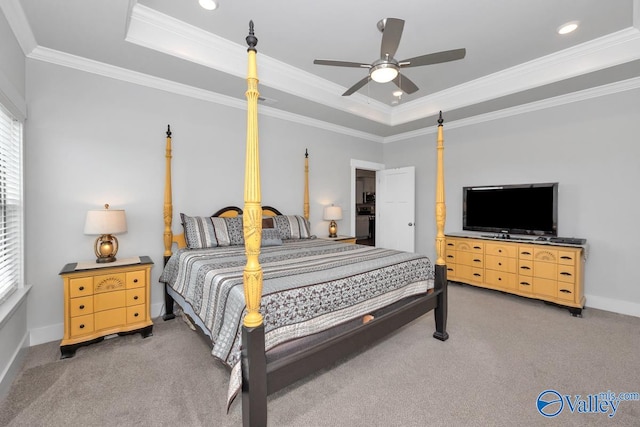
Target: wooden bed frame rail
[(260, 378)]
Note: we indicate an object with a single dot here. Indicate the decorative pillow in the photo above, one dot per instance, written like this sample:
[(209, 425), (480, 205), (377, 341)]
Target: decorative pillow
[(199, 232), (221, 230), (292, 226), (234, 228), (270, 237)]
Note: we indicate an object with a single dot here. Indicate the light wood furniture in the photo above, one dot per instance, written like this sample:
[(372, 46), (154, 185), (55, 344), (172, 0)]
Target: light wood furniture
[(259, 377), (540, 270), (104, 301), (342, 239)]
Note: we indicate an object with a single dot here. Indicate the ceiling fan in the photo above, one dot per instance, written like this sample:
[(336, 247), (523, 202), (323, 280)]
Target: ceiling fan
[(387, 68)]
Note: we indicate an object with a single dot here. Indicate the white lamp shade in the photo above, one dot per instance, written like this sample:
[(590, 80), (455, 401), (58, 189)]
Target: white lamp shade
[(105, 221), (332, 213)]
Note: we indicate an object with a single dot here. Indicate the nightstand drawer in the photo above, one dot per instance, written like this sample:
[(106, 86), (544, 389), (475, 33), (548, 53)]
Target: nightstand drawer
[(81, 306), (109, 282), (135, 296), (136, 279), (136, 313), (110, 318), (82, 325), (109, 300), (80, 287)]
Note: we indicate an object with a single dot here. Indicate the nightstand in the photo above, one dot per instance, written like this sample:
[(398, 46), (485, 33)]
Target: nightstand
[(101, 300), (342, 239)]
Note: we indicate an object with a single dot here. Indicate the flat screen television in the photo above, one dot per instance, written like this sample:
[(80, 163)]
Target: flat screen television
[(528, 209)]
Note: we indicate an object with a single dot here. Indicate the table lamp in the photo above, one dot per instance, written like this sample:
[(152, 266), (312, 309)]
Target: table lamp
[(332, 213), (105, 223)]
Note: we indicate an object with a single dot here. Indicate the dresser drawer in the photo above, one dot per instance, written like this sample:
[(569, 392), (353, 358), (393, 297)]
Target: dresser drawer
[(525, 252), (566, 273), (500, 249), (471, 259), (136, 279), (500, 279), (135, 296), (546, 270), (500, 263), (82, 325), (109, 300), (545, 287), (110, 318), (525, 268), (136, 313), (81, 306), (567, 257), (80, 287), (470, 246), (566, 291)]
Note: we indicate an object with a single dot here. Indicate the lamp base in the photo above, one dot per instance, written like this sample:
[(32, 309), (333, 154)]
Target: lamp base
[(105, 259), (333, 229), (106, 248)]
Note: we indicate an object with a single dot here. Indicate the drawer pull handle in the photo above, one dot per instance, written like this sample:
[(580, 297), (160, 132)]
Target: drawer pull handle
[(81, 306), (525, 284), (477, 274), (449, 269), (135, 280), (81, 288), (499, 279), (499, 263), (566, 291), (449, 256), (566, 257), (135, 315), (524, 267), (136, 297), (525, 253), (477, 260), (499, 251), (449, 244), (477, 247), (564, 273), (82, 326)]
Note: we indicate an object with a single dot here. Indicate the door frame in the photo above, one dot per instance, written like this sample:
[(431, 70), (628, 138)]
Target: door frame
[(359, 164)]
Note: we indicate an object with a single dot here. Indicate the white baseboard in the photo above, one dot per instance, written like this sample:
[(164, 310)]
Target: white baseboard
[(14, 366), (56, 332), (615, 305)]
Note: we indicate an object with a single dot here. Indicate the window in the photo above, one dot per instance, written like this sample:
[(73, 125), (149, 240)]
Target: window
[(11, 266)]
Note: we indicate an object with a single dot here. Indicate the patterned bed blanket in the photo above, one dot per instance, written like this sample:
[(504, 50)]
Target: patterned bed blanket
[(309, 285)]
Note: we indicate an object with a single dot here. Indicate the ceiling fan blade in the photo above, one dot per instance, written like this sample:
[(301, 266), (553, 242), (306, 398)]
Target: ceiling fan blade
[(434, 58), (391, 37), (356, 86), (341, 63), (405, 84)]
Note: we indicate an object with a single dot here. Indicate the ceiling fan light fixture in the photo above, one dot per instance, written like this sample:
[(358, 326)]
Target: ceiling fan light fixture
[(384, 72), (209, 4)]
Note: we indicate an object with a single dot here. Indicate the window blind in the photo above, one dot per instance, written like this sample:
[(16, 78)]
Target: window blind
[(11, 216)]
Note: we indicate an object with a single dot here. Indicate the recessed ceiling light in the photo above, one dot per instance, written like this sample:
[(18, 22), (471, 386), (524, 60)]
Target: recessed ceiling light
[(397, 93), (208, 4), (568, 27)]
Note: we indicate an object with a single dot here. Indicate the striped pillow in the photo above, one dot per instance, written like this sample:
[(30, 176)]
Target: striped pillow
[(199, 231), (292, 226)]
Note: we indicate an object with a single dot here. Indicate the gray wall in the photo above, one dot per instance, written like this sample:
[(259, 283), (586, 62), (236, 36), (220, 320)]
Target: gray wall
[(93, 140), (590, 147)]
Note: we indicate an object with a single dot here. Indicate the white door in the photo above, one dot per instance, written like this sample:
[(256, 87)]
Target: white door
[(395, 209)]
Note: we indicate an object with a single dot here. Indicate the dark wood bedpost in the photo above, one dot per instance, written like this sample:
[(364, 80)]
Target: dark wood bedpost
[(440, 284), (254, 361)]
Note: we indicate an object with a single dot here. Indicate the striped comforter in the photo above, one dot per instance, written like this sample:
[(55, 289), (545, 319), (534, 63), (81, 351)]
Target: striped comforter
[(309, 285)]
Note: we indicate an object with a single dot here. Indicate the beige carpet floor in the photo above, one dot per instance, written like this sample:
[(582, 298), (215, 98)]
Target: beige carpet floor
[(502, 353)]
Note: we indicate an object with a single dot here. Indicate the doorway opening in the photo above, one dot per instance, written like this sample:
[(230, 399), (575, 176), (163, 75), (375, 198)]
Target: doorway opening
[(365, 207)]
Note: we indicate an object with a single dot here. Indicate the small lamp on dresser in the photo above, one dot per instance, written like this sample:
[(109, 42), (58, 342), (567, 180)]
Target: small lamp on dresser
[(105, 223), (333, 214)]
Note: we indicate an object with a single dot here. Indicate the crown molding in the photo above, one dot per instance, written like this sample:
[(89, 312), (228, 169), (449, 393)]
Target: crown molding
[(163, 33), (583, 95), (19, 24)]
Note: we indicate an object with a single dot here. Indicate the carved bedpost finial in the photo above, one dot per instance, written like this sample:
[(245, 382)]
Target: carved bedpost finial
[(440, 120), (306, 153), (252, 40), (168, 131)]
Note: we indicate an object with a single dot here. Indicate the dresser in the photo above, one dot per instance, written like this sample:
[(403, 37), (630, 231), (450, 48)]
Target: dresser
[(104, 300), (550, 272)]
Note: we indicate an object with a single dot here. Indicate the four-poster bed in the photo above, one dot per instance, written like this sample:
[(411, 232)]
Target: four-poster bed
[(299, 304)]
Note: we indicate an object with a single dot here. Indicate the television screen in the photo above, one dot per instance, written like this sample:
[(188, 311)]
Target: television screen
[(530, 209)]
